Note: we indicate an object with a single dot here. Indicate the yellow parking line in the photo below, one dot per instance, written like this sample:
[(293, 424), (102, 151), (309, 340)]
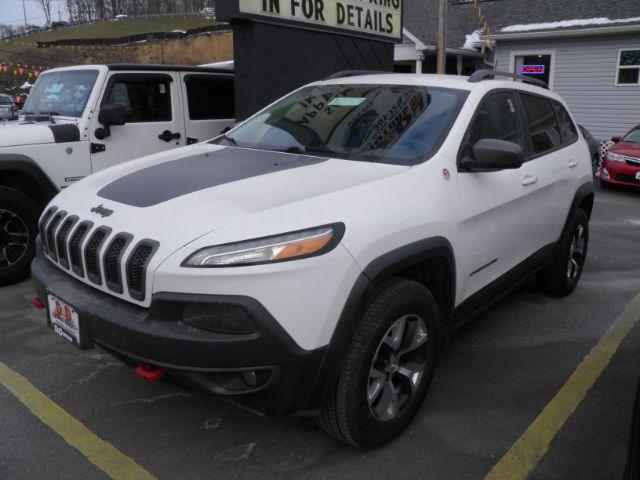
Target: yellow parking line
[(102, 454), (526, 452)]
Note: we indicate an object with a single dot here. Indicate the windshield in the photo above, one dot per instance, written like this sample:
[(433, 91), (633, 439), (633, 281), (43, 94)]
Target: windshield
[(632, 137), (61, 93), (396, 124)]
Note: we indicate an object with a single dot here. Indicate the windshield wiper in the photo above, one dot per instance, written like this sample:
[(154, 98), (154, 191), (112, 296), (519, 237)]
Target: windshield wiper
[(50, 114), (229, 139)]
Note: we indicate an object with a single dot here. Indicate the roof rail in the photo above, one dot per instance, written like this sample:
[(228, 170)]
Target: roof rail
[(480, 75), (353, 73)]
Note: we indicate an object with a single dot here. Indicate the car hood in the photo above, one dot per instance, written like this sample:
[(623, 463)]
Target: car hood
[(626, 148), (28, 133), (178, 196)]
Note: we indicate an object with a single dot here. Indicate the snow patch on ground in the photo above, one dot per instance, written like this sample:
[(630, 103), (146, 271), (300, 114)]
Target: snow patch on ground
[(582, 22), (472, 40)]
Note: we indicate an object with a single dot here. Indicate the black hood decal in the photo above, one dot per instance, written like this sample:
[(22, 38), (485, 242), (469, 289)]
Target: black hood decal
[(168, 180), (65, 132)]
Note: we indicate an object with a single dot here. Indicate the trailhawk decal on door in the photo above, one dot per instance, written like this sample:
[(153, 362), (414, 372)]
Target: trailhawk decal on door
[(190, 174)]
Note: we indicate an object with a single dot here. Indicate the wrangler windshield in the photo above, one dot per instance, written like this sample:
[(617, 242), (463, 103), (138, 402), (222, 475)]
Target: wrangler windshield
[(396, 124), (61, 93)]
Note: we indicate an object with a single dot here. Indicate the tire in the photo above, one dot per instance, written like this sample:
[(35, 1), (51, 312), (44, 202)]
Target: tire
[(349, 414), (561, 277), (18, 229), (604, 185)]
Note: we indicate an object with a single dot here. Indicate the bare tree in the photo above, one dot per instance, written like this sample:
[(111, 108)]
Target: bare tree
[(45, 5)]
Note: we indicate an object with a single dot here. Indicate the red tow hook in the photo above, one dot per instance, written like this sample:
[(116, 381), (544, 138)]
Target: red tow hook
[(37, 302), (149, 373)]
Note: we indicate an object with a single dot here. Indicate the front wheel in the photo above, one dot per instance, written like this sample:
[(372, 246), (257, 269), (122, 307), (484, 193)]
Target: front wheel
[(561, 277), (387, 369), (18, 230)]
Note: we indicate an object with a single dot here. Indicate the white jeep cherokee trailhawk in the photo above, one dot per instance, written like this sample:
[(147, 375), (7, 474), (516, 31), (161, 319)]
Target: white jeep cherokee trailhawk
[(309, 261)]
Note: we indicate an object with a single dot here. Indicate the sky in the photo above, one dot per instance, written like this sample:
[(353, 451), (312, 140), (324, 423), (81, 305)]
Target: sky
[(11, 12)]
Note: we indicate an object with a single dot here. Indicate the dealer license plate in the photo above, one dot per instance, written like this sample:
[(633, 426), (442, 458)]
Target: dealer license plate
[(64, 319), (638, 175)]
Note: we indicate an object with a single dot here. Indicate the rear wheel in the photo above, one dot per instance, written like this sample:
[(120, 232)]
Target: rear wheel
[(18, 230), (387, 369), (561, 277)]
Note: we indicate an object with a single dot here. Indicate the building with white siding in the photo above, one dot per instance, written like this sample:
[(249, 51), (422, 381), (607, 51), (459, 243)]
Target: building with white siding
[(588, 51)]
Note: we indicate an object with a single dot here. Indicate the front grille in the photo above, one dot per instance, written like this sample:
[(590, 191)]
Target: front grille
[(75, 247), (112, 258), (137, 267), (43, 223), (621, 177), (78, 246), (51, 230), (92, 254), (61, 240)]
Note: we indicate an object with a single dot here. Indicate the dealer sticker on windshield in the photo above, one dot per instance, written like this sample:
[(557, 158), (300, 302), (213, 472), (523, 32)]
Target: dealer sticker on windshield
[(65, 320)]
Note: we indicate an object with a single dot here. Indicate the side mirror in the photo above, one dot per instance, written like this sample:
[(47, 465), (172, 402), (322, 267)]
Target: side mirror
[(110, 115), (494, 154), (615, 139)]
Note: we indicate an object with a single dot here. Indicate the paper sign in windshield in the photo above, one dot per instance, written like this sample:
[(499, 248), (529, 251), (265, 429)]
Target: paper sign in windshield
[(346, 101)]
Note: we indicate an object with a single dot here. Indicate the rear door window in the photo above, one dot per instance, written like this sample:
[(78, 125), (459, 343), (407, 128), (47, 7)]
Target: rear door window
[(543, 124), (210, 98)]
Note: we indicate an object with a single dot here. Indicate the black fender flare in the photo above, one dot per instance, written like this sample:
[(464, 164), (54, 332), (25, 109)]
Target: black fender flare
[(13, 162), (582, 192), (376, 272)]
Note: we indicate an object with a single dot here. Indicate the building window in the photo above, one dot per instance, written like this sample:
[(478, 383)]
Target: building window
[(628, 67)]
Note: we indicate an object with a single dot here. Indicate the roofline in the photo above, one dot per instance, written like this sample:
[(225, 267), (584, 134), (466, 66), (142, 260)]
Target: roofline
[(420, 45), (166, 68), (568, 32)]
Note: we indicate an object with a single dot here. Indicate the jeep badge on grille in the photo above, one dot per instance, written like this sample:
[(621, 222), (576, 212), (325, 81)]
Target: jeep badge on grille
[(102, 211)]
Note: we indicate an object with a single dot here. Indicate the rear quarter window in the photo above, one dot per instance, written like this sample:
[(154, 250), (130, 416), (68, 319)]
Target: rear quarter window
[(568, 129)]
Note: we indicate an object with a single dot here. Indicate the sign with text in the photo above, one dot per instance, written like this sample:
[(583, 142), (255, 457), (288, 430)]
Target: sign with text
[(532, 69), (382, 18)]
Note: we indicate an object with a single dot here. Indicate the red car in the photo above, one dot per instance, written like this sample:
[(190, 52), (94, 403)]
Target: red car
[(622, 162)]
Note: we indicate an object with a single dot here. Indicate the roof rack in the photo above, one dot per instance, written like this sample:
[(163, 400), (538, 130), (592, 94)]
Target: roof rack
[(354, 73), (480, 75)]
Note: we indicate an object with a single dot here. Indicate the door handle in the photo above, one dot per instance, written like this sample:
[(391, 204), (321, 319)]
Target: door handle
[(572, 164), (529, 180), (167, 136)]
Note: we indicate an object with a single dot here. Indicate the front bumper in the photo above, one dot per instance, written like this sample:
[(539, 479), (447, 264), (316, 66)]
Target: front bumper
[(203, 360), (620, 173)]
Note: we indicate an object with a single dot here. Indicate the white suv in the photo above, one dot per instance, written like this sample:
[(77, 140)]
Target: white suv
[(310, 260)]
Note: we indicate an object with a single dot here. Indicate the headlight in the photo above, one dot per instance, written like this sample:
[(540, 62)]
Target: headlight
[(278, 248), (614, 157)]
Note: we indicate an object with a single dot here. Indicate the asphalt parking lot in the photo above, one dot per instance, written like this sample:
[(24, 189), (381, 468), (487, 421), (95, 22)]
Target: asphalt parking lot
[(495, 376)]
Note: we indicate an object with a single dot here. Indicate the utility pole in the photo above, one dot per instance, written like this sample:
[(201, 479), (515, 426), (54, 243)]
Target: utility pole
[(442, 54), (24, 11)]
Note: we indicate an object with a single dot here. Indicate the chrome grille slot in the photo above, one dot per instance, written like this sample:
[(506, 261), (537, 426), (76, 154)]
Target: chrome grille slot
[(92, 254), (75, 247), (61, 240), (112, 259), (43, 223), (50, 236), (137, 267)]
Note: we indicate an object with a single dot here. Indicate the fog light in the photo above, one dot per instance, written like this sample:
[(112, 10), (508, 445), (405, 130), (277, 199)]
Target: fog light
[(250, 378), (604, 174), (219, 318)]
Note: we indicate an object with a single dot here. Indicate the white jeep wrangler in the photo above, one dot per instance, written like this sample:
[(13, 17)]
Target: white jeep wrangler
[(309, 260), (79, 120)]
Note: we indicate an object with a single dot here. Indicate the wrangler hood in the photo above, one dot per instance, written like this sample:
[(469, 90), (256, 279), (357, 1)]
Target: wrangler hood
[(21, 133)]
